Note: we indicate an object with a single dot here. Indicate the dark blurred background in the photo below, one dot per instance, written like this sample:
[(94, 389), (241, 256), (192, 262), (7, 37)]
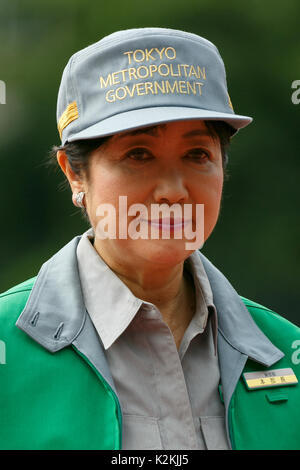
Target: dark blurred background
[(256, 241)]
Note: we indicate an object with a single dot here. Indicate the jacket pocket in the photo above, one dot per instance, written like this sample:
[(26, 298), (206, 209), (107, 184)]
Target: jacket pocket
[(140, 433), (213, 432)]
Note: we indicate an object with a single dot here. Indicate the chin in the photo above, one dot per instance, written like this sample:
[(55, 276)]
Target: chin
[(162, 252)]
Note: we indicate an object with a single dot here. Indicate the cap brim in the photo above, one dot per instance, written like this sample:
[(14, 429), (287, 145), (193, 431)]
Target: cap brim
[(149, 116)]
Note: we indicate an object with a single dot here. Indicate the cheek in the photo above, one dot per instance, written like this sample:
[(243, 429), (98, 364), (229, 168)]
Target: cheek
[(107, 189), (208, 188), (103, 185), (210, 194), (217, 188)]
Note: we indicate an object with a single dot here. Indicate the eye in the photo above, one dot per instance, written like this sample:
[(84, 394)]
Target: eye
[(139, 154), (198, 155)]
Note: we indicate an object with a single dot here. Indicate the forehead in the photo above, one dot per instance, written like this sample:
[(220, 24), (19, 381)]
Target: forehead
[(187, 128)]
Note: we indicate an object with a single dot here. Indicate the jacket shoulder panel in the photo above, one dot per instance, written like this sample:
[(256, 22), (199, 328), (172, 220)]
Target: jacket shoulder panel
[(13, 301), (267, 319), (23, 286)]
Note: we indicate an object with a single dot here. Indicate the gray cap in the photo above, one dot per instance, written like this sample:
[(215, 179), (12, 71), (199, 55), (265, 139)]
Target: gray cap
[(140, 77)]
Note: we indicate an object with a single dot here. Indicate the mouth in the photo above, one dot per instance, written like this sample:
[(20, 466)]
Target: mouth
[(168, 223)]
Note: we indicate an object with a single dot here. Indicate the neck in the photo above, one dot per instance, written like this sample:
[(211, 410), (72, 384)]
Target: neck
[(170, 289), (175, 300)]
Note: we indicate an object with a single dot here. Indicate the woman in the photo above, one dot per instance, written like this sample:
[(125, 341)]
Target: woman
[(128, 337)]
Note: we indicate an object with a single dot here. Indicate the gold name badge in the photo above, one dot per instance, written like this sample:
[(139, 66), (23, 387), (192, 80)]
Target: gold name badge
[(270, 378)]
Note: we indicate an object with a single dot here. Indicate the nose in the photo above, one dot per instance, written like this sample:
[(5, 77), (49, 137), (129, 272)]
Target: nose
[(170, 187)]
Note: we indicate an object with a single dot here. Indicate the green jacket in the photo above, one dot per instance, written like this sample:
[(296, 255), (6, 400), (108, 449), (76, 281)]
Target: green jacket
[(57, 392)]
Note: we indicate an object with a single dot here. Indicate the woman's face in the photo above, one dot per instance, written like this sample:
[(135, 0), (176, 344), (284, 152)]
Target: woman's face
[(174, 163)]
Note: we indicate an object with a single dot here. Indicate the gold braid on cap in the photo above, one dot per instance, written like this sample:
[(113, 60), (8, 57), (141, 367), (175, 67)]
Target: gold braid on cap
[(69, 115)]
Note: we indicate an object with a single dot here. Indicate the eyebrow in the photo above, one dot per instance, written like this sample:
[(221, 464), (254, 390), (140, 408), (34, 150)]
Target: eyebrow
[(197, 132), (154, 132)]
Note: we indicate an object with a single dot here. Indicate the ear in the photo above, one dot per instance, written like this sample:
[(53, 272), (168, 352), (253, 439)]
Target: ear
[(75, 182)]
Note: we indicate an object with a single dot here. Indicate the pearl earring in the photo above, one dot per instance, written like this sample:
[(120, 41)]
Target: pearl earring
[(78, 199)]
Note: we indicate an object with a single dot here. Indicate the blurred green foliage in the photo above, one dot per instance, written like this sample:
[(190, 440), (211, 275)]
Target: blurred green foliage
[(256, 241)]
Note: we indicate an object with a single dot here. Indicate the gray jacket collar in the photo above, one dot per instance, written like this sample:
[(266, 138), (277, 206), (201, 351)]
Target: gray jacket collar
[(239, 337), (55, 314), (235, 322)]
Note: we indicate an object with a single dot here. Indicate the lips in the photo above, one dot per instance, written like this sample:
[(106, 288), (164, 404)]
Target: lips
[(166, 221), (172, 223)]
